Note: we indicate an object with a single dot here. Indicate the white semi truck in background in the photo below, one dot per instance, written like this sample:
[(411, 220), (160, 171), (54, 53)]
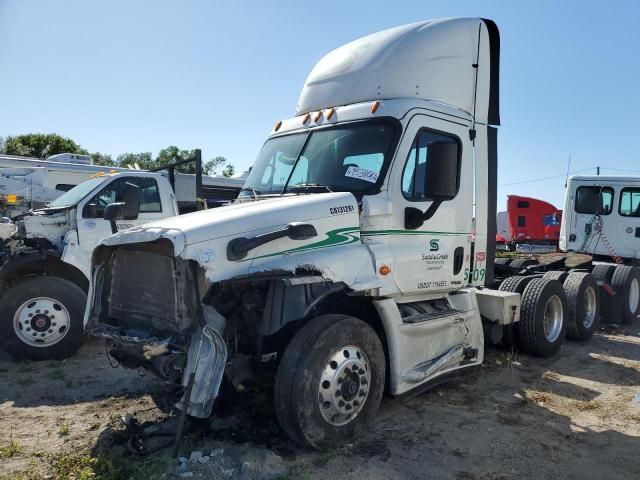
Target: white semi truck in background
[(45, 253), (349, 263)]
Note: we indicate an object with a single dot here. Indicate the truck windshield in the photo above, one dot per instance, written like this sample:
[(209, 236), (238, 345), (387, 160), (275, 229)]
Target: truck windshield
[(77, 193), (343, 158)]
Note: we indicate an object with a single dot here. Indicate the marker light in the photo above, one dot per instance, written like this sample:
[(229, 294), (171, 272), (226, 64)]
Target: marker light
[(277, 126), (11, 198), (330, 113), (317, 116), (305, 119), (374, 106), (384, 270)]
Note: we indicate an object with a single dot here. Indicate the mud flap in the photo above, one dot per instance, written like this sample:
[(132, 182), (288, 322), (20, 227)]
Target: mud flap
[(207, 357)]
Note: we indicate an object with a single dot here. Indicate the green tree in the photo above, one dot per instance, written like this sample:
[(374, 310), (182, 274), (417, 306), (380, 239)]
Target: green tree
[(144, 160), (173, 154), (102, 159), (229, 170), (40, 145), (212, 166)]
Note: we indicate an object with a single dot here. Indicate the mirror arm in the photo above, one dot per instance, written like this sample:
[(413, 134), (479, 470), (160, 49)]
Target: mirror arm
[(415, 218)]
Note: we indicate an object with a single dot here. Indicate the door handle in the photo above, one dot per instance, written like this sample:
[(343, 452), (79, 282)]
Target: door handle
[(458, 257)]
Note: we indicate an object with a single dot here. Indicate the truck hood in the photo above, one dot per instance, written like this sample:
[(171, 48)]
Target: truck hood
[(205, 236)]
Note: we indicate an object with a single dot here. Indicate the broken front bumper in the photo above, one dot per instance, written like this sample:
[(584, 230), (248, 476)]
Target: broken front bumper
[(147, 304)]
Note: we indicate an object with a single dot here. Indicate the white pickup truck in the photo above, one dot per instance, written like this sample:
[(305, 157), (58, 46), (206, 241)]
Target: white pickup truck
[(349, 263), (45, 255)]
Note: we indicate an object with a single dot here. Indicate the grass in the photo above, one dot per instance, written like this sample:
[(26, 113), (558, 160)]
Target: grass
[(85, 466), (25, 381), (56, 374), (10, 450), (297, 471), (64, 430)]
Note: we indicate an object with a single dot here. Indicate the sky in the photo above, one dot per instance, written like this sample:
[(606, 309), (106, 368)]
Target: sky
[(131, 76)]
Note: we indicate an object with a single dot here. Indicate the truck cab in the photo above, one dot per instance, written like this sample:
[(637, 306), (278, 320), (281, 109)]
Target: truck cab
[(602, 217)]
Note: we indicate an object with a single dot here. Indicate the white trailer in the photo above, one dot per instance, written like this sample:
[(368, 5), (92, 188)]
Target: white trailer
[(349, 263)]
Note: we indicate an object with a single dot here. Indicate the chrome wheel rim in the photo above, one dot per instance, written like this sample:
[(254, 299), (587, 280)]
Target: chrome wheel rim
[(634, 295), (344, 385), (590, 305), (41, 322), (553, 318)]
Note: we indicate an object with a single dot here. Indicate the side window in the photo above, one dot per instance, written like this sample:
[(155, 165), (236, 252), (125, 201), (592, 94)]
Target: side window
[(114, 192), (413, 176), (630, 202), (522, 221), (594, 200), (523, 204)]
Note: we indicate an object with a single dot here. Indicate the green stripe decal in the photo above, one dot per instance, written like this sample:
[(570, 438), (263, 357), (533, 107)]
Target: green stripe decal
[(340, 236), (371, 233)]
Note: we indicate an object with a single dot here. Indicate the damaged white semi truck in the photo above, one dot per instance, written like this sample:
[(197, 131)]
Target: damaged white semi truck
[(349, 264)]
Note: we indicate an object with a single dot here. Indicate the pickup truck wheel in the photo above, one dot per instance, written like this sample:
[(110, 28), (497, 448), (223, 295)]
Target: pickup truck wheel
[(543, 313), (582, 302), (42, 317), (626, 282), (330, 381)]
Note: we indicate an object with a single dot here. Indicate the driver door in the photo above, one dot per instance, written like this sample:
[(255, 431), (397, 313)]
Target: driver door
[(92, 228), (432, 257)]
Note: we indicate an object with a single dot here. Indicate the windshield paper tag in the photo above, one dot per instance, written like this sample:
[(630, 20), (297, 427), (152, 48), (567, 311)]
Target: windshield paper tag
[(362, 174)]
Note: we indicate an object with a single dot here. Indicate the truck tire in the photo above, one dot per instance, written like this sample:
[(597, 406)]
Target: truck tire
[(603, 271), (515, 284), (42, 318), (559, 275), (503, 260), (520, 263), (543, 316), (330, 381), (583, 305), (626, 282)]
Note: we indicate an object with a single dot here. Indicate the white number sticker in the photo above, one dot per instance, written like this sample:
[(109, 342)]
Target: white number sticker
[(362, 174)]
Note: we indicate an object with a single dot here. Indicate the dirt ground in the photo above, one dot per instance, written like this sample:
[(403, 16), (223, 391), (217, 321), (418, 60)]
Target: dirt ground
[(573, 417)]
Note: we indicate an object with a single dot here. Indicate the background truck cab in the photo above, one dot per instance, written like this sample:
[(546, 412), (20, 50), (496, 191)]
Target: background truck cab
[(45, 254)]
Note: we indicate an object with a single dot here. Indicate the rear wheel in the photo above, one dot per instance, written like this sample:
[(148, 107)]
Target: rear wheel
[(626, 282), (330, 381), (556, 275), (543, 323), (503, 260), (583, 316), (42, 317), (520, 263), (603, 271), (515, 284)]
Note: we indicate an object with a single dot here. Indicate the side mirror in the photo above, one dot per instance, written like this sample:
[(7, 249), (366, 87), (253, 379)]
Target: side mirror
[(127, 210), (112, 213), (440, 181), (131, 201), (441, 172)]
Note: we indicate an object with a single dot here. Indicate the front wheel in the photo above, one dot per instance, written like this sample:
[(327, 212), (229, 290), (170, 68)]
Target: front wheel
[(42, 317), (330, 381)]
